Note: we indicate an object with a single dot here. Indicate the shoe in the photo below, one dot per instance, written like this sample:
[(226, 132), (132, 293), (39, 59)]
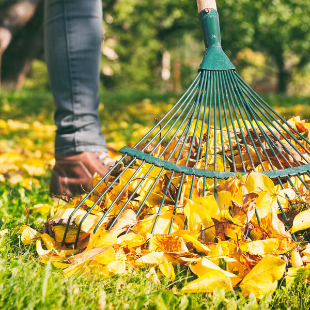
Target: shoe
[(73, 174)]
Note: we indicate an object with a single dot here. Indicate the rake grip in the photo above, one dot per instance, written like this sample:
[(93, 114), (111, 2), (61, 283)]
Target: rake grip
[(206, 4)]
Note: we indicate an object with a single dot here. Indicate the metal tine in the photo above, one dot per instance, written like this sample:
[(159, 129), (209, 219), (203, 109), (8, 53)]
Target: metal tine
[(274, 135), (123, 208), (229, 103), (87, 196), (187, 127), (227, 125), (210, 93), (190, 95), (240, 127), (200, 98), (215, 132), (252, 111), (174, 106), (303, 182), (292, 184), (172, 126), (162, 203), (282, 211), (248, 109), (130, 198), (269, 140), (264, 105), (204, 95), (176, 202), (282, 186), (204, 98), (245, 124), (262, 131), (102, 218), (101, 196), (220, 119)]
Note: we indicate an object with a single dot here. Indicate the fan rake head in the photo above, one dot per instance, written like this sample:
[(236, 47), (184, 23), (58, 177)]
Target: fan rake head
[(218, 129)]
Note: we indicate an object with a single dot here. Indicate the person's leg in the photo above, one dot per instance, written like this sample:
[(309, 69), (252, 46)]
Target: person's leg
[(73, 35)]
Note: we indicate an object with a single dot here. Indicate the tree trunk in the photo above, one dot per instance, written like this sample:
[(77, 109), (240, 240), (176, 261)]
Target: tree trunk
[(15, 15), (284, 75), (25, 45)]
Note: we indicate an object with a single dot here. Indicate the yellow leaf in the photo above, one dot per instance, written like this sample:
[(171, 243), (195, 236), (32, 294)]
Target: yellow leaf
[(151, 259), (263, 278), (162, 226), (260, 247), (296, 259), (224, 200), (167, 243), (132, 240), (116, 267), (199, 212), (301, 221), (306, 251), (257, 182), (208, 283), (59, 231), (107, 257), (263, 204), (102, 239), (190, 241), (28, 234), (43, 208), (167, 269), (49, 242), (89, 222), (34, 166), (29, 183), (203, 266)]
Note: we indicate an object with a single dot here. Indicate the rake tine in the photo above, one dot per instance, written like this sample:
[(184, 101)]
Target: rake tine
[(191, 95), (86, 197), (244, 122), (99, 199), (164, 117), (279, 141), (274, 119), (229, 103), (227, 125)]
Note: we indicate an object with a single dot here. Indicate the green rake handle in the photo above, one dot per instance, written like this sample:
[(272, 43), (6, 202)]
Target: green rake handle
[(215, 59)]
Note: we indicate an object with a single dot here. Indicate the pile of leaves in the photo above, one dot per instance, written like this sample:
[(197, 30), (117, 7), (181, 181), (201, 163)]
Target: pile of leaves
[(233, 238), (29, 155)]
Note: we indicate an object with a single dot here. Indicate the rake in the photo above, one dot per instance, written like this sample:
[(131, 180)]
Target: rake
[(218, 129)]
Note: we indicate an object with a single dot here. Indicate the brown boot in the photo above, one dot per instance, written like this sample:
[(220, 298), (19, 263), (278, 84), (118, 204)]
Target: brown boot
[(73, 174)]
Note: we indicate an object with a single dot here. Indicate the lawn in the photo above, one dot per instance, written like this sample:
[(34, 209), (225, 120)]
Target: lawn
[(27, 284)]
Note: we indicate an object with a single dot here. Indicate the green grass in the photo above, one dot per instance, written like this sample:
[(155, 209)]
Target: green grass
[(26, 284)]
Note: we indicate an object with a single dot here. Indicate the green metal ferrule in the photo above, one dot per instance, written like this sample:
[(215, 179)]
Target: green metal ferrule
[(215, 58), (208, 173)]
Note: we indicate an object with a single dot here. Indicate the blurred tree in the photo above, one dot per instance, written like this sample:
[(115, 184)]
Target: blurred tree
[(20, 39), (282, 31), (279, 28), (137, 35)]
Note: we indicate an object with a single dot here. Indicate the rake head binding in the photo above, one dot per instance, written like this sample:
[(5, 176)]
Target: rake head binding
[(218, 129)]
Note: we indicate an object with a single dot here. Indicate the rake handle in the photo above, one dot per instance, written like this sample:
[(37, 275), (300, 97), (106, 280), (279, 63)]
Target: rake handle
[(206, 4)]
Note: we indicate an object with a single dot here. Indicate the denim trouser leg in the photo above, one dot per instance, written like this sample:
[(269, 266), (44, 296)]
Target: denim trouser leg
[(73, 35)]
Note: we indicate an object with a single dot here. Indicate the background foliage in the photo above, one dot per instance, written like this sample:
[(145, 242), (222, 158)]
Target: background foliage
[(268, 40)]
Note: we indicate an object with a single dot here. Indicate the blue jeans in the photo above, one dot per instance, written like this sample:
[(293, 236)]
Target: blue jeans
[(73, 36)]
